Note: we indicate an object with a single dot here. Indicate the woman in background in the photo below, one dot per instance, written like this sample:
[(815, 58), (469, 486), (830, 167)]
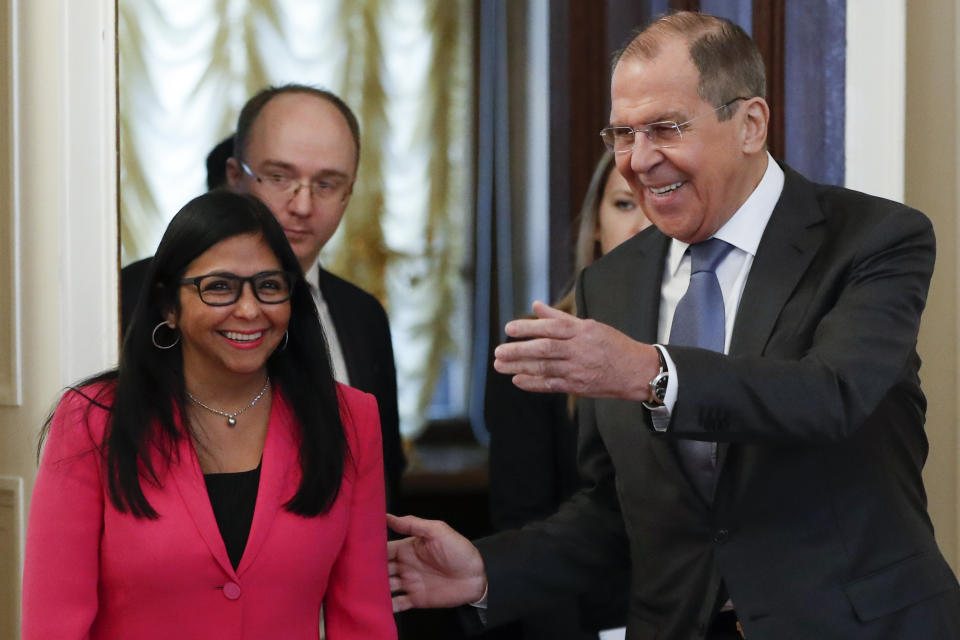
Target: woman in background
[(533, 436), (219, 484)]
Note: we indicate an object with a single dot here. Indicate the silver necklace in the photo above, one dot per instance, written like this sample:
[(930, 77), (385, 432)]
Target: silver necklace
[(232, 417)]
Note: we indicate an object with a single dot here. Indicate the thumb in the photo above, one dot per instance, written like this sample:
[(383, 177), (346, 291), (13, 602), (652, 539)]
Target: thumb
[(409, 525)]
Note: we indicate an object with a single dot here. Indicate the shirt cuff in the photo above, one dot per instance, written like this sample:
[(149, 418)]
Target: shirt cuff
[(480, 606), (482, 602)]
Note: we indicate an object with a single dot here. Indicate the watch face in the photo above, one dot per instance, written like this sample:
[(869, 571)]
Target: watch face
[(659, 385)]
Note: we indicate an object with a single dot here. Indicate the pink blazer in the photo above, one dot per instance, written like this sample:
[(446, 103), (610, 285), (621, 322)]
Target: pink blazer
[(93, 572)]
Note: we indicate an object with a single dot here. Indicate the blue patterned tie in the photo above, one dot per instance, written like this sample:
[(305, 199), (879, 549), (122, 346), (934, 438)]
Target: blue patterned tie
[(699, 322)]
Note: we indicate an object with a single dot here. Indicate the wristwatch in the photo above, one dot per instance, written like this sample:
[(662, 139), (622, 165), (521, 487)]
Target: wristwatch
[(658, 386)]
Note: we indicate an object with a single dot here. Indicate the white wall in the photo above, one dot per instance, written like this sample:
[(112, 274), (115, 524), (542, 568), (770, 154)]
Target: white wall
[(901, 125), (875, 80), (68, 210), (931, 184)]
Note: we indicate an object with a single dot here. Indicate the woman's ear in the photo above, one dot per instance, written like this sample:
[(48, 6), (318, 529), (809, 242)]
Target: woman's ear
[(170, 314)]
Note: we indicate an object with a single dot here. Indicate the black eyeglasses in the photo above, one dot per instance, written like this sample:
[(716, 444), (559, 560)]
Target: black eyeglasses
[(222, 289)]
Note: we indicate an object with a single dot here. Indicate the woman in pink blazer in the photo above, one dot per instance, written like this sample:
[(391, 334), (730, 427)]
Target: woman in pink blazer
[(219, 484)]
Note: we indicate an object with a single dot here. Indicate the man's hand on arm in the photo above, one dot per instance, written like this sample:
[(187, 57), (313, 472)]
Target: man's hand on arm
[(434, 567), (561, 353)]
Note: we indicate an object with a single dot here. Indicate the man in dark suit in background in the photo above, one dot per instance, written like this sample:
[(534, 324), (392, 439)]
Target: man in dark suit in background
[(297, 148), (767, 486)]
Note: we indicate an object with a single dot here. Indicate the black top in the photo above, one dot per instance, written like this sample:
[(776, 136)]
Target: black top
[(233, 497)]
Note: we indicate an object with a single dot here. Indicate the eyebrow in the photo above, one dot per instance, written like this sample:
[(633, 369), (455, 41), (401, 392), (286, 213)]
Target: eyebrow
[(668, 116), (323, 173), (221, 273)]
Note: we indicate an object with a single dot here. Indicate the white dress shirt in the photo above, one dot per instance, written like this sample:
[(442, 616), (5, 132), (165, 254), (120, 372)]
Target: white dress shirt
[(743, 231), (337, 360)]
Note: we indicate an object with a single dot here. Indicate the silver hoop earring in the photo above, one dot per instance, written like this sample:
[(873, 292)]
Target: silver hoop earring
[(286, 339), (153, 337)]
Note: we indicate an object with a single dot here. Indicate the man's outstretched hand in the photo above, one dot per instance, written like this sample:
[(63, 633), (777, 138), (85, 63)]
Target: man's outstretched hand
[(434, 567), (561, 353)]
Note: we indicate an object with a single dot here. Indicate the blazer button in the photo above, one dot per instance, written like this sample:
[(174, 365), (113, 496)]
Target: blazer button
[(720, 536), (231, 591)]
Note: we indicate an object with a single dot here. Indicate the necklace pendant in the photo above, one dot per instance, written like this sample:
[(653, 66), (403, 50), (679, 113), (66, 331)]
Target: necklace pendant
[(231, 417)]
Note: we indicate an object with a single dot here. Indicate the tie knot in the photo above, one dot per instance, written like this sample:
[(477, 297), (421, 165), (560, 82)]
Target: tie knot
[(706, 255)]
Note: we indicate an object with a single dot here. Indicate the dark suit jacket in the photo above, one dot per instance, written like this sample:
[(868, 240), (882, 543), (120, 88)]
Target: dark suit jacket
[(533, 470), (364, 335), (819, 527)]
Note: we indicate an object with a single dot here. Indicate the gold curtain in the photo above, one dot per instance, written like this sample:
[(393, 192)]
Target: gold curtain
[(404, 66)]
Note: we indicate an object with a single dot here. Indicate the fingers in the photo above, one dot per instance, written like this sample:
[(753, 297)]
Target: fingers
[(543, 310), (393, 548), (549, 323), (394, 522), (411, 526), (543, 384), (559, 369), (396, 584), (557, 328), (536, 350), (401, 602)]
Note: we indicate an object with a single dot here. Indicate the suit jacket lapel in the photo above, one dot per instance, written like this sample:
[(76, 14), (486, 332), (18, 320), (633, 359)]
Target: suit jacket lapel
[(341, 325), (640, 270), (789, 243), (642, 320)]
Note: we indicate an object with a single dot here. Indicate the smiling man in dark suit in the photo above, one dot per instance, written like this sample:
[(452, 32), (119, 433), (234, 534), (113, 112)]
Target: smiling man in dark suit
[(297, 148), (762, 477)]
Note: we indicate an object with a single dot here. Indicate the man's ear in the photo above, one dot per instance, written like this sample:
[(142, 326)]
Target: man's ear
[(347, 193), (234, 173), (756, 117)]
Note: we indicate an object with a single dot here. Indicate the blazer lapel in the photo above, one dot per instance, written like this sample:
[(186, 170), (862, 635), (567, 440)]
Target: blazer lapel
[(277, 465), (188, 477), (274, 473)]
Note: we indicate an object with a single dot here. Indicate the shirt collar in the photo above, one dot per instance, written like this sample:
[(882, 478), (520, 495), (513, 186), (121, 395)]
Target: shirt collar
[(312, 276), (745, 228)]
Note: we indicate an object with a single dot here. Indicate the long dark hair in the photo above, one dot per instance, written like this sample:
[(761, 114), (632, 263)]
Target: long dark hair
[(149, 378)]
